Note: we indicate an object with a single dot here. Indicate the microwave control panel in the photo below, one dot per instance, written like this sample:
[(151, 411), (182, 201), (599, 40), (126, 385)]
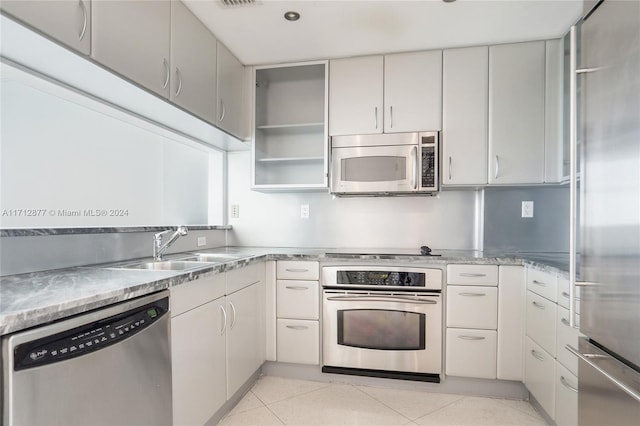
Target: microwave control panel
[(429, 163)]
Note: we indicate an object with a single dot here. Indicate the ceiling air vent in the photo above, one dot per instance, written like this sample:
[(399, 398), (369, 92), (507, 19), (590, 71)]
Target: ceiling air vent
[(237, 3)]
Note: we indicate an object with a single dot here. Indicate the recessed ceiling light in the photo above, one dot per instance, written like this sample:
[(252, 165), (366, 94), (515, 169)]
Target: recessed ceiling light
[(292, 16)]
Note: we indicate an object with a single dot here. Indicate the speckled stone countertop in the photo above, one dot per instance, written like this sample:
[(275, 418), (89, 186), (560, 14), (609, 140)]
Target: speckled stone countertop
[(28, 300)]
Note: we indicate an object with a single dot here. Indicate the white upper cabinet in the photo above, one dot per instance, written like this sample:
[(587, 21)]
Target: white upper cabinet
[(413, 92), (133, 38), (554, 104), (516, 113), (230, 93), (68, 21), (465, 103), (355, 95), (409, 83), (193, 63)]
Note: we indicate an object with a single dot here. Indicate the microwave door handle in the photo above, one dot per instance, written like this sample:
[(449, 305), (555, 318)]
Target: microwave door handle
[(414, 176)]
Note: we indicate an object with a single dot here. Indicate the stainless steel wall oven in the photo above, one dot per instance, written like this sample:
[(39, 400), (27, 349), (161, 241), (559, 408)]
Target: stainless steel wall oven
[(383, 321)]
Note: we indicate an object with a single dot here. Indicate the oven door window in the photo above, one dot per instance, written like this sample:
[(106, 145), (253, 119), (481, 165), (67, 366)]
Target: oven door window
[(381, 329)]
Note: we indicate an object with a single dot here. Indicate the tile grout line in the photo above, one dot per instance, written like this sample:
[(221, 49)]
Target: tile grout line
[(382, 403)]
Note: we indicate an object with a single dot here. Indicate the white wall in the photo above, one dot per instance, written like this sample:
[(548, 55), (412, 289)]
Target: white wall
[(447, 221), (66, 159)]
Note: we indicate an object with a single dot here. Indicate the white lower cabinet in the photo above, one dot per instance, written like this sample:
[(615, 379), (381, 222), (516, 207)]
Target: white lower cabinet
[(472, 307), (511, 296), (539, 375), (471, 353), (566, 397), (298, 341), (541, 321)]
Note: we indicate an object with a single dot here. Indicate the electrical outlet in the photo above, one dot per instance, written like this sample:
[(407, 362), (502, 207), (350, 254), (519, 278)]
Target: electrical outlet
[(235, 211), (202, 241), (527, 209), (304, 211)]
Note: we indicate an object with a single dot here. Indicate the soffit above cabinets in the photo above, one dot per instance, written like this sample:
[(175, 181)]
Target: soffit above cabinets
[(257, 33)]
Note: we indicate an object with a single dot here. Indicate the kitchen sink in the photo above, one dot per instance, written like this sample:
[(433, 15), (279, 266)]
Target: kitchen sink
[(213, 257), (166, 265)]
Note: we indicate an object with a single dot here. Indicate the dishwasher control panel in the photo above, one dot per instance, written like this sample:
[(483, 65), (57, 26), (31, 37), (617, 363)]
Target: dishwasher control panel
[(88, 338)]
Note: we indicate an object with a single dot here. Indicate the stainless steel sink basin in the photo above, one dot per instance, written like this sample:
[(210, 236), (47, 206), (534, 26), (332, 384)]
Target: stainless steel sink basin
[(166, 265), (213, 257)]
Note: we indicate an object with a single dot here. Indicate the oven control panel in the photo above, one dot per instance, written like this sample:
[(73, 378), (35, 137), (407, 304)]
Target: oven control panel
[(381, 278)]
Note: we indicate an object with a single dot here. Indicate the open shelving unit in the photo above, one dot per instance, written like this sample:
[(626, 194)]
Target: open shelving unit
[(290, 143)]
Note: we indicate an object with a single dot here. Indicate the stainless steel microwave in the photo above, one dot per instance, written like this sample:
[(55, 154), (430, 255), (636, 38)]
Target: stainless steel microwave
[(385, 164)]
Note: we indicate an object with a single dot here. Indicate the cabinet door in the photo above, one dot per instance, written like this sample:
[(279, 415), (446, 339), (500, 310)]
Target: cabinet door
[(68, 21), (133, 38), (511, 297), (566, 397), (465, 104), (541, 321), (413, 92), (516, 113), (193, 63), (355, 96), (243, 336), (298, 341), (472, 307), (471, 353), (539, 375), (198, 363), (554, 90), (230, 92)]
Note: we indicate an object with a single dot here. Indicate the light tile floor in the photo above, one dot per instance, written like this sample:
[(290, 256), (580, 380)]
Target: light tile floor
[(280, 401)]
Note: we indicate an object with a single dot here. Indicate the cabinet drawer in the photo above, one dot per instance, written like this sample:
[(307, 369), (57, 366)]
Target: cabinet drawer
[(297, 299), (471, 353), (486, 275), (472, 307), (195, 293), (539, 375), (297, 270), (298, 341), (542, 283), (566, 397), (541, 321), (566, 335), (563, 294), (243, 277)]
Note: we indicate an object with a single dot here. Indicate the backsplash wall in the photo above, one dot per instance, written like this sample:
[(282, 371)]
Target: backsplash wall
[(448, 221), (546, 231)]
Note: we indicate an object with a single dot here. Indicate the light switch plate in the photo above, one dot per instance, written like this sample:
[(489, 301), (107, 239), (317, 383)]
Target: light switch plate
[(202, 241), (304, 211), (527, 209), (235, 211)]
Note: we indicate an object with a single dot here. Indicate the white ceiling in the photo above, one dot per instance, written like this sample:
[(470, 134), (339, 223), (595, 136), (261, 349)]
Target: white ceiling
[(259, 34)]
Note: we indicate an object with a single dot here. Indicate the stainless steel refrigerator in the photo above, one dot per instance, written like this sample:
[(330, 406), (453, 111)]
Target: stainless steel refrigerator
[(608, 122)]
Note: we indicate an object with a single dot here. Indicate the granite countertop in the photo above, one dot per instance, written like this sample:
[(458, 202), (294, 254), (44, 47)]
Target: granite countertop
[(28, 300)]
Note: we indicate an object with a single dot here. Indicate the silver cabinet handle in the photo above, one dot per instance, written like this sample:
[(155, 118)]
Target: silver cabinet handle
[(391, 116), (296, 287), (296, 270), (472, 275), (297, 327), (179, 77), (497, 166), (224, 111), (233, 319), (537, 355), (540, 283), (224, 317), (471, 337), (565, 294), (364, 298), (449, 167), (588, 70), (592, 360), (538, 305), (375, 116), (414, 160), (167, 71), (473, 294), (84, 19), (565, 322), (567, 385)]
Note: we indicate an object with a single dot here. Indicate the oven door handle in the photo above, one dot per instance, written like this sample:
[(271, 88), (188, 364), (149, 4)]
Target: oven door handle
[(406, 299)]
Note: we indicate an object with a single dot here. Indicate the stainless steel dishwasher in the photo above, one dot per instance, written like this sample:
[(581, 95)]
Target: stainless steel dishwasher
[(111, 366)]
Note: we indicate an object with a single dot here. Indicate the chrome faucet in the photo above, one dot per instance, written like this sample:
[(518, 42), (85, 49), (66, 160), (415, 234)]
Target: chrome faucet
[(159, 247)]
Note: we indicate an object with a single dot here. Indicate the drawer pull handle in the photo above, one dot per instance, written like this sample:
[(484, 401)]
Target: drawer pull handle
[(565, 322), (296, 270), (296, 287), (297, 327), (538, 305), (565, 294), (472, 275), (537, 355), (471, 337), (540, 283), (567, 385), (473, 294)]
